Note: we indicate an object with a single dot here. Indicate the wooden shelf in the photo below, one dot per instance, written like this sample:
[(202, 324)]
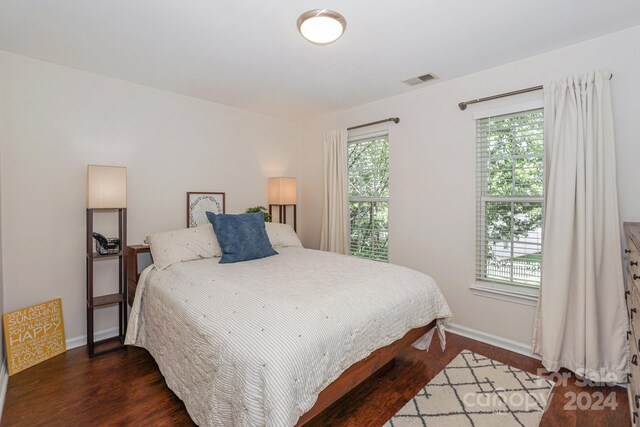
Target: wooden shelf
[(96, 255), (119, 298), (107, 299)]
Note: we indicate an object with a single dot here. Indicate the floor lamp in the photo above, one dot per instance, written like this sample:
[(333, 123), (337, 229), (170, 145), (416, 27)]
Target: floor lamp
[(282, 193), (107, 192)]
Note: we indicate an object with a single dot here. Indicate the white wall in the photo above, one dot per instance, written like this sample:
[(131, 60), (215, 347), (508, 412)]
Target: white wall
[(2, 125), (432, 170), (56, 120)]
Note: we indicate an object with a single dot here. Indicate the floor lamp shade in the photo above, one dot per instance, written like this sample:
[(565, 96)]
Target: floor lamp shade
[(282, 191), (106, 187)]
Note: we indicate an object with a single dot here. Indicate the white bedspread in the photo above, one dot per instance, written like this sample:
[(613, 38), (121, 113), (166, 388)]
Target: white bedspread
[(254, 343)]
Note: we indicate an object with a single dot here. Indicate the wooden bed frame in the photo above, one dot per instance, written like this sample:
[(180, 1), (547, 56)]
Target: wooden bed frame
[(350, 379), (362, 370)]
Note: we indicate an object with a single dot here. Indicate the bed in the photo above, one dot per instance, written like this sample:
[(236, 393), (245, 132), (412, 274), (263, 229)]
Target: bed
[(274, 341)]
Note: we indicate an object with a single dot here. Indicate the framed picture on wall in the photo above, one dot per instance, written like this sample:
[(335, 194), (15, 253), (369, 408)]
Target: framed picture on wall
[(199, 203)]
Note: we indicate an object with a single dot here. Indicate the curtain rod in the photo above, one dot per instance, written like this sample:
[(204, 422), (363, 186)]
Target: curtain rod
[(463, 105), (390, 119)]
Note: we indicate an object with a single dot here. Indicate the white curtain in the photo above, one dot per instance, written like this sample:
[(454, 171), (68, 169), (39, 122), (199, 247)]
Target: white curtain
[(581, 320), (335, 229)]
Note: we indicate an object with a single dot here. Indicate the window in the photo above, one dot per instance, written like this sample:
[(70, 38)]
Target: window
[(510, 186), (368, 165)]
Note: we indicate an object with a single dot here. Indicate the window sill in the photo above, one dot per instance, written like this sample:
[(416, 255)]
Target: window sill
[(487, 290)]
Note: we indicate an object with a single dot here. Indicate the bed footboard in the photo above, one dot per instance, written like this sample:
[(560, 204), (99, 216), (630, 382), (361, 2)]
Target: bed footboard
[(362, 370)]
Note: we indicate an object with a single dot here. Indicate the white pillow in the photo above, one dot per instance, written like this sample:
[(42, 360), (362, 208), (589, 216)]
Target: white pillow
[(188, 244), (282, 235)]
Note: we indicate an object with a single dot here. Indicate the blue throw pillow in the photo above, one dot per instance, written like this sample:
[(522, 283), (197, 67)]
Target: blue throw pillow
[(242, 237)]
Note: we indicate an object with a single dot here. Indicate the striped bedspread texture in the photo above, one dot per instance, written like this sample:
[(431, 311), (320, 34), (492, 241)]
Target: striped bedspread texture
[(254, 343)]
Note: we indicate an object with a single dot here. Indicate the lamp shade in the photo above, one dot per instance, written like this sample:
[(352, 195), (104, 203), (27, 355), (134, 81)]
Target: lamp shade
[(282, 191), (106, 187)]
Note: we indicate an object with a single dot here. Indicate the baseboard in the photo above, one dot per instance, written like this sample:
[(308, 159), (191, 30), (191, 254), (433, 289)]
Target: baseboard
[(4, 382), (507, 344), (100, 335)]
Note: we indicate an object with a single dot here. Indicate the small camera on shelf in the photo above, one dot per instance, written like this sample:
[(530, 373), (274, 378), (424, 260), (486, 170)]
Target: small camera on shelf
[(106, 246)]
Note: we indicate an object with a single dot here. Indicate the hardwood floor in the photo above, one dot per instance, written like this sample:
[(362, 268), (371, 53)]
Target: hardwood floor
[(126, 388)]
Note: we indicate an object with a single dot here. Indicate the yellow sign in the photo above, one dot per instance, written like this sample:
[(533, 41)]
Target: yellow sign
[(33, 334)]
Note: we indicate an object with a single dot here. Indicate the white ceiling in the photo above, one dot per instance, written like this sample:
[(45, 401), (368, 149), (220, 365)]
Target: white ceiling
[(248, 53)]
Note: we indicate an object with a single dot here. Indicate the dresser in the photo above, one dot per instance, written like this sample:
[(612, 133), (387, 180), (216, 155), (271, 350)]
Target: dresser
[(632, 296)]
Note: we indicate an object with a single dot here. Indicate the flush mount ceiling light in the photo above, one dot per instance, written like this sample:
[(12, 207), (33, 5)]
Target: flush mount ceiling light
[(321, 26)]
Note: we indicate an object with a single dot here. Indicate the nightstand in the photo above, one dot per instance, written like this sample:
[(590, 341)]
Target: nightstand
[(133, 253)]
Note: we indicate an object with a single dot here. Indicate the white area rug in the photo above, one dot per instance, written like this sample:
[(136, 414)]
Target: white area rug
[(474, 390)]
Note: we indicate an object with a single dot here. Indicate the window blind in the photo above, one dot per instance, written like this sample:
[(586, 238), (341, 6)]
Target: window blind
[(368, 165), (510, 199)]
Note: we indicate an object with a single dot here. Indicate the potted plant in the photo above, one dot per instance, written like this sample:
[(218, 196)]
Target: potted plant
[(262, 209)]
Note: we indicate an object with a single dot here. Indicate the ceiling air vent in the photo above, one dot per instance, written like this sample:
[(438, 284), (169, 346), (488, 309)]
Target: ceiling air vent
[(420, 79)]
